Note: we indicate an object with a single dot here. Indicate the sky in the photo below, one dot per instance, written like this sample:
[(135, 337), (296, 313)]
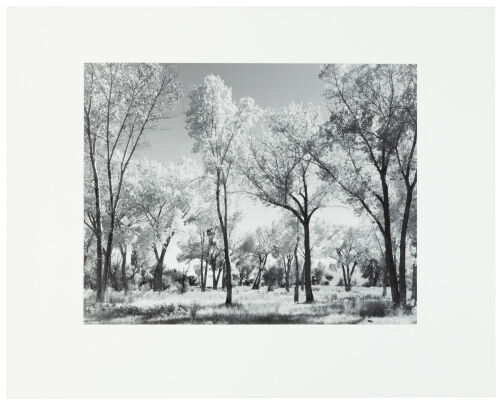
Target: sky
[(270, 85)]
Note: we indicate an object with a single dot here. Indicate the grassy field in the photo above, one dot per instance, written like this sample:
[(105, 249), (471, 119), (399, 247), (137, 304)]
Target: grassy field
[(333, 305)]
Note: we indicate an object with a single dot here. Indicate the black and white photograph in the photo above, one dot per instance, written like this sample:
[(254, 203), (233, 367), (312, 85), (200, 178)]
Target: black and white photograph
[(250, 193), (234, 214)]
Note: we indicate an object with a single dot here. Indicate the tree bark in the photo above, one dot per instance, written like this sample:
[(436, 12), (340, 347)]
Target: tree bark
[(414, 284), (223, 224), (297, 278), (307, 262), (205, 275), (256, 283), (202, 254), (158, 277), (97, 205), (123, 251), (384, 284), (215, 279), (389, 258), (402, 246)]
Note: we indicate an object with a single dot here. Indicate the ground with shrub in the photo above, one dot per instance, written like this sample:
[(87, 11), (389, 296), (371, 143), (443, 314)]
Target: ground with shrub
[(332, 305)]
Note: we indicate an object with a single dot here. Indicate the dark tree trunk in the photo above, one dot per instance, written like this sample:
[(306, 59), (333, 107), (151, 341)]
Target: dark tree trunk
[(202, 254), (307, 263), (414, 284), (297, 278), (205, 275), (384, 284), (158, 277), (220, 270), (215, 278), (389, 258), (97, 206), (347, 285), (262, 266), (223, 224), (256, 283), (107, 257), (123, 251)]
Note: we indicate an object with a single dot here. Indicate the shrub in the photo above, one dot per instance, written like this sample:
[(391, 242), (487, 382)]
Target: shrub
[(373, 308)]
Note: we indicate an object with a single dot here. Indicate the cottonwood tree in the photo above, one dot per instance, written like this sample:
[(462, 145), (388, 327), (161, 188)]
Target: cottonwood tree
[(359, 146), (122, 102), (166, 194), (192, 248), (281, 172), (217, 123), (259, 245), (197, 245), (348, 249), (285, 244)]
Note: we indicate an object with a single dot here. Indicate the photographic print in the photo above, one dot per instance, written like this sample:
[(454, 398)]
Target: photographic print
[(250, 193)]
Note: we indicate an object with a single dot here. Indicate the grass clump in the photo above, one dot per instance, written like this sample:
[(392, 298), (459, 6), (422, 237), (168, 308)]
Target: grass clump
[(373, 309)]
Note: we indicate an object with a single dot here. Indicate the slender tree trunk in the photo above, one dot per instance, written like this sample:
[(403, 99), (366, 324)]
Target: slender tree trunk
[(205, 275), (414, 284), (389, 258), (384, 284), (302, 277), (223, 282), (223, 224), (256, 283), (297, 278), (215, 279), (402, 246), (97, 206), (107, 257), (307, 263), (202, 254), (123, 251)]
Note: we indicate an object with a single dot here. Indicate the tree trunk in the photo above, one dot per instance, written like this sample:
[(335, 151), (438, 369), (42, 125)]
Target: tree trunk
[(123, 251), (347, 285), (256, 283), (202, 254), (205, 275), (307, 263), (286, 267), (297, 278), (97, 206), (384, 284), (223, 224), (158, 278), (220, 270), (414, 284), (215, 278), (402, 246), (107, 257), (389, 258), (223, 281), (302, 277)]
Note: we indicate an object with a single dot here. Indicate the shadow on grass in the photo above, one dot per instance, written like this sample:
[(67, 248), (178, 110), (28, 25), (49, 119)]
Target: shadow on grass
[(188, 314)]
